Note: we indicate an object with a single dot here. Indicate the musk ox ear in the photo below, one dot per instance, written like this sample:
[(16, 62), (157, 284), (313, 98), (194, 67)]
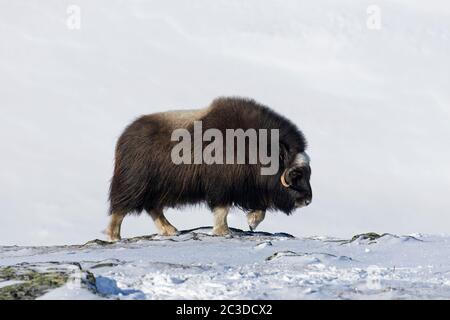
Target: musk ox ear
[(284, 152)]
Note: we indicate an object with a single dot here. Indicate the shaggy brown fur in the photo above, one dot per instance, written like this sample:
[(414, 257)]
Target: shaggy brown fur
[(145, 178)]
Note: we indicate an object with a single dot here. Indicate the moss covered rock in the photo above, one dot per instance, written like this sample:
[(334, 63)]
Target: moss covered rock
[(31, 284), (371, 236)]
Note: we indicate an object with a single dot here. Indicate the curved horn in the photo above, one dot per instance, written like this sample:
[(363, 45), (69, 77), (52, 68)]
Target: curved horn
[(283, 180)]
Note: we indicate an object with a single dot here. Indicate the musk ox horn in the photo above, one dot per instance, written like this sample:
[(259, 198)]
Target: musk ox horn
[(283, 180)]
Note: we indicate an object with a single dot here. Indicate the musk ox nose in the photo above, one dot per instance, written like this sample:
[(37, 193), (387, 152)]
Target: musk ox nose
[(307, 202)]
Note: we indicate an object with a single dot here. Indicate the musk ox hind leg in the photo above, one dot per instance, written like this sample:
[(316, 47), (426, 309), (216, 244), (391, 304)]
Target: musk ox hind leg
[(113, 230), (220, 221), (162, 224), (254, 218)]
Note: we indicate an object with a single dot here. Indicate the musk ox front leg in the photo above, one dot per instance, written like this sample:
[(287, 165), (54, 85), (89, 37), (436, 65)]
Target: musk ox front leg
[(255, 217), (162, 224), (220, 221)]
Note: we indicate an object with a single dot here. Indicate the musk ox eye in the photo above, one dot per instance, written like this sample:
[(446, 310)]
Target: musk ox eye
[(295, 174)]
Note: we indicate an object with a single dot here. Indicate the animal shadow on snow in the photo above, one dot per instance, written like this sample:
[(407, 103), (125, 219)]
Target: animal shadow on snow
[(237, 232), (108, 287)]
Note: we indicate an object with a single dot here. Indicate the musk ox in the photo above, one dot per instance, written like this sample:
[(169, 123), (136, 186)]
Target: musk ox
[(146, 177)]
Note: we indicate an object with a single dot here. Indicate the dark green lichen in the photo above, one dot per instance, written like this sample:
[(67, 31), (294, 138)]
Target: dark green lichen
[(283, 253), (104, 265), (90, 282), (7, 273), (97, 242), (371, 236), (32, 283)]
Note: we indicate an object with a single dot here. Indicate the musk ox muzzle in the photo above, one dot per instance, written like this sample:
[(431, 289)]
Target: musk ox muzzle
[(276, 176)]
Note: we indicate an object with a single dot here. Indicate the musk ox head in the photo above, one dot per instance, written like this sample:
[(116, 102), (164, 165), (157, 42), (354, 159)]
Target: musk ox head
[(296, 178)]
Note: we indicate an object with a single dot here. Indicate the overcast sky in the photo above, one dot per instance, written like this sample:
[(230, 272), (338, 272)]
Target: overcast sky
[(370, 91)]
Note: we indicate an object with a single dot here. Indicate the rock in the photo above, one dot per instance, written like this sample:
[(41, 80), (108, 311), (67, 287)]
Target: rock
[(32, 283)]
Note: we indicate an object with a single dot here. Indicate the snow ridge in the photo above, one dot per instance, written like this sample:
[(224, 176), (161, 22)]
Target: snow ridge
[(245, 265)]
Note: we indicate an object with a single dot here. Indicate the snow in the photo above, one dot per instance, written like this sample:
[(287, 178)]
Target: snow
[(196, 265), (7, 283)]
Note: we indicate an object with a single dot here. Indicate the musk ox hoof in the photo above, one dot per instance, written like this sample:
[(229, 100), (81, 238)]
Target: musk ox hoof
[(221, 231), (114, 238), (254, 218), (169, 231), (111, 236)]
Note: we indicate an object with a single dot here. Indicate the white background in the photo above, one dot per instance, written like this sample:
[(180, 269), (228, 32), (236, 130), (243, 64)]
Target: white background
[(374, 105)]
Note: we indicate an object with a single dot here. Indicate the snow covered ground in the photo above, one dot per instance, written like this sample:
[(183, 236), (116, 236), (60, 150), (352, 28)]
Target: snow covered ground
[(196, 265)]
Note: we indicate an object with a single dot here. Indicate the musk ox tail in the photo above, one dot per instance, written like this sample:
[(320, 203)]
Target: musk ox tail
[(125, 193), (129, 184)]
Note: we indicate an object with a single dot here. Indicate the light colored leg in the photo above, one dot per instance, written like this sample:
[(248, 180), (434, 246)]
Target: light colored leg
[(164, 227), (220, 221), (255, 217), (113, 230)]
